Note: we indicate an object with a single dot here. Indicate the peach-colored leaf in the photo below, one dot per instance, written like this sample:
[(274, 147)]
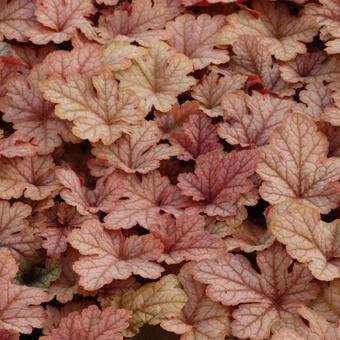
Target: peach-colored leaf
[(212, 89), (185, 239), (197, 37), (142, 20), (251, 119), (262, 298), (16, 145), (295, 165), (147, 199), (15, 18), (57, 20), (92, 324), (315, 99), (219, 181), (25, 107), (332, 114), (103, 198), (328, 302), (16, 235), (119, 53), (8, 266), (55, 224), (196, 137), (20, 308), (317, 328), (201, 318), (99, 109), (108, 255), (158, 77), (139, 151), (32, 177), (253, 58), (7, 71), (309, 240), (275, 27), (152, 303), (85, 58), (311, 67)]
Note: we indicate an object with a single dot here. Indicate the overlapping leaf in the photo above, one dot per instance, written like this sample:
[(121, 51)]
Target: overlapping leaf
[(295, 165), (264, 298), (108, 255)]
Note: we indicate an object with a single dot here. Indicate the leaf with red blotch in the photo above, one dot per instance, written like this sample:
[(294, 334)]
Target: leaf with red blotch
[(275, 27), (308, 239), (198, 43), (8, 266), (196, 137), (30, 114), (201, 318), (142, 20), (158, 77), (99, 109), (176, 116), (185, 239), (85, 58), (147, 199), (103, 198), (219, 181), (213, 88), (253, 58), (19, 305), (9, 334), (108, 255), (252, 119), (8, 55), (57, 20), (55, 224), (32, 177), (139, 151), (311, 67), (317, 328), (262, 298), (92, 324), (16, 145), (16, 17), (295, 166), (16, 235), (316, 98)]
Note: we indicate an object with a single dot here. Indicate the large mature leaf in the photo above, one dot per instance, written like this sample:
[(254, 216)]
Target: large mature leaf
[(198, 44), (262, 298), (308, 239), (158, 77), (283, 33), (108, 255), (219, 181), (295, 165), (185, 239), (99, 109), (251, 119), (147, 199)]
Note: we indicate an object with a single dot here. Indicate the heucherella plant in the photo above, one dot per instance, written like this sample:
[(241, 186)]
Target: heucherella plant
[(169, 169)]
